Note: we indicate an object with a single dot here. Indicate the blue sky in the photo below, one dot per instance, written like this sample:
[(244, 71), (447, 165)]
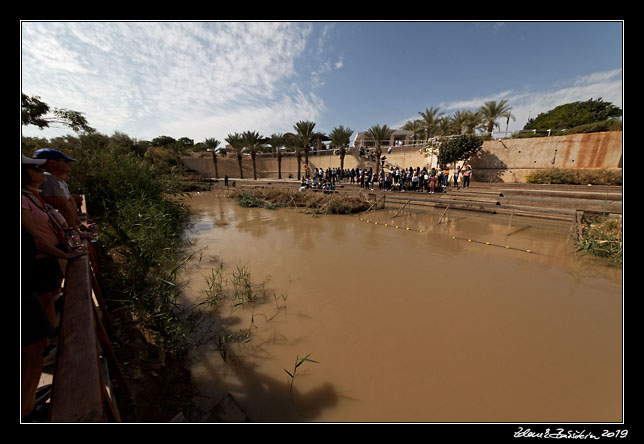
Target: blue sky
[(209, 79)]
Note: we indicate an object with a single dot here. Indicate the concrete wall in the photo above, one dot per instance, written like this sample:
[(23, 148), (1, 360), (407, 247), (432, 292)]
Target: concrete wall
[(508, 160)]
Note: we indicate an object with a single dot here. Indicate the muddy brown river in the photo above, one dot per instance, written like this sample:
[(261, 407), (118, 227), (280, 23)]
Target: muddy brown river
[(435, 323)]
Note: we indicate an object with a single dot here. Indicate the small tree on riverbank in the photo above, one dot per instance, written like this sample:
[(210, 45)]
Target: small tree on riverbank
[(455, 149)]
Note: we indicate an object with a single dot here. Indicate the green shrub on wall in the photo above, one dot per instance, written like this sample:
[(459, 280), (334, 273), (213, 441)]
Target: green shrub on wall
[(576, 177)]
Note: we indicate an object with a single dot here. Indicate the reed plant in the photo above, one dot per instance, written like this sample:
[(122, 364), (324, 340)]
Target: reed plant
[(298, 362), (601, 237), (313, 202)]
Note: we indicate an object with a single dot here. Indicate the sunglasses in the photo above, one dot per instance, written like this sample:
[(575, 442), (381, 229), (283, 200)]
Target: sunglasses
[(36, 168)]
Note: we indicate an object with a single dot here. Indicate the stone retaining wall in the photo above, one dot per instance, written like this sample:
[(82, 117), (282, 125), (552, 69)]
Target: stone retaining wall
[(507, 160)]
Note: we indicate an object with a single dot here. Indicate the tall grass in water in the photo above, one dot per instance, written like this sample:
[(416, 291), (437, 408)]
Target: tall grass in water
[(316, 202), (298, 361), (141, 230), (601, 237)]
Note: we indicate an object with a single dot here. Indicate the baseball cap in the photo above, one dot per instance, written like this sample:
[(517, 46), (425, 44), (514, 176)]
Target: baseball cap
[(50, 153), (29, 161)]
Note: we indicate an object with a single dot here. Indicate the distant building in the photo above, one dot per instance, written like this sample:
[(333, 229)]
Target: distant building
[(398, 137)]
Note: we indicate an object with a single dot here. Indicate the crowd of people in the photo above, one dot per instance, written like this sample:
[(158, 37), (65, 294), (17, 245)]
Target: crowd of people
[(52, 231), (395, 179)]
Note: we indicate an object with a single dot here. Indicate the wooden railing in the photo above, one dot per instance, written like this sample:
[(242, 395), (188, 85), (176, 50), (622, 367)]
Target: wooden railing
[(83, 390)]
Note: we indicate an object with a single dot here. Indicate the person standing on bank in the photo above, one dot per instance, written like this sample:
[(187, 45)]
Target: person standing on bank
[(467, 175), (46, 227), (54, 189), (457, 172)]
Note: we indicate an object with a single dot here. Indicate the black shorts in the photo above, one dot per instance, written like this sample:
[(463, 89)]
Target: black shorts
[(46, 275), (34, 323)]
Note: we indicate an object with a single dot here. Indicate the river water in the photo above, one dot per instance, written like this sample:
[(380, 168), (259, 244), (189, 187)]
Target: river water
[(435, 323)]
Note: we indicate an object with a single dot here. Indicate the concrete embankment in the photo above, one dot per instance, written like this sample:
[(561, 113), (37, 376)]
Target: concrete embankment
[(562, 202)]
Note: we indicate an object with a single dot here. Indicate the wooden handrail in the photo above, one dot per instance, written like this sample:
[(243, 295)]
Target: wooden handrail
[(77, 389), (79, 392)]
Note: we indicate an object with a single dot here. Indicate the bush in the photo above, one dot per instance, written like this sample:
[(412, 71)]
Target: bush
[(576, 177), (141, 230), (317, 202), (602, 238)]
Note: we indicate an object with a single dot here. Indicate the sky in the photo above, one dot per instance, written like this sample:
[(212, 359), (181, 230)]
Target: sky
[(210, 79)]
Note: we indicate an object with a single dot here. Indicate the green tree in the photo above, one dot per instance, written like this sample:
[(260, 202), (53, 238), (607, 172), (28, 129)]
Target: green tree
[(38, 113), (492, 111), (296, 142), (277, 141), (304, 129), (252, 141), (378, 134), (454, 149), (212, 145), (415, 126), (340, 138), (574, 114), (171, 145), (430, 119), (236, 141), (465, 122)]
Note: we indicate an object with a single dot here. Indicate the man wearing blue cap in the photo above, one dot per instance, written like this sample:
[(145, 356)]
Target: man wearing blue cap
[(54, 190)]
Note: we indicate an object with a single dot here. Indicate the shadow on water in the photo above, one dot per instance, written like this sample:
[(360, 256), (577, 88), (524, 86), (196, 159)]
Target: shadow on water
[(272, 396)]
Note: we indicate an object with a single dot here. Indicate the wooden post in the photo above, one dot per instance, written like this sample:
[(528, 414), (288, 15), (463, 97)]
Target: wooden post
[(372, 205), (510, 224), (444, 212), (401, 208)]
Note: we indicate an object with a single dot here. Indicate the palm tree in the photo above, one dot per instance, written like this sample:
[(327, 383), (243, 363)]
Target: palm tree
[(304, 129), (293, 141), (318, 138), (212, 145), (465, 122), (491, 111), (277, 141), (443, 127), (378, 134), (252, 141), (414, 126), (236, 141), (341, 137), (430, 119)]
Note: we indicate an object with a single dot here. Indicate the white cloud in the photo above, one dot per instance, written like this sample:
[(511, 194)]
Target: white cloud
[(266, 118), (528, 104), (122, 74)]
